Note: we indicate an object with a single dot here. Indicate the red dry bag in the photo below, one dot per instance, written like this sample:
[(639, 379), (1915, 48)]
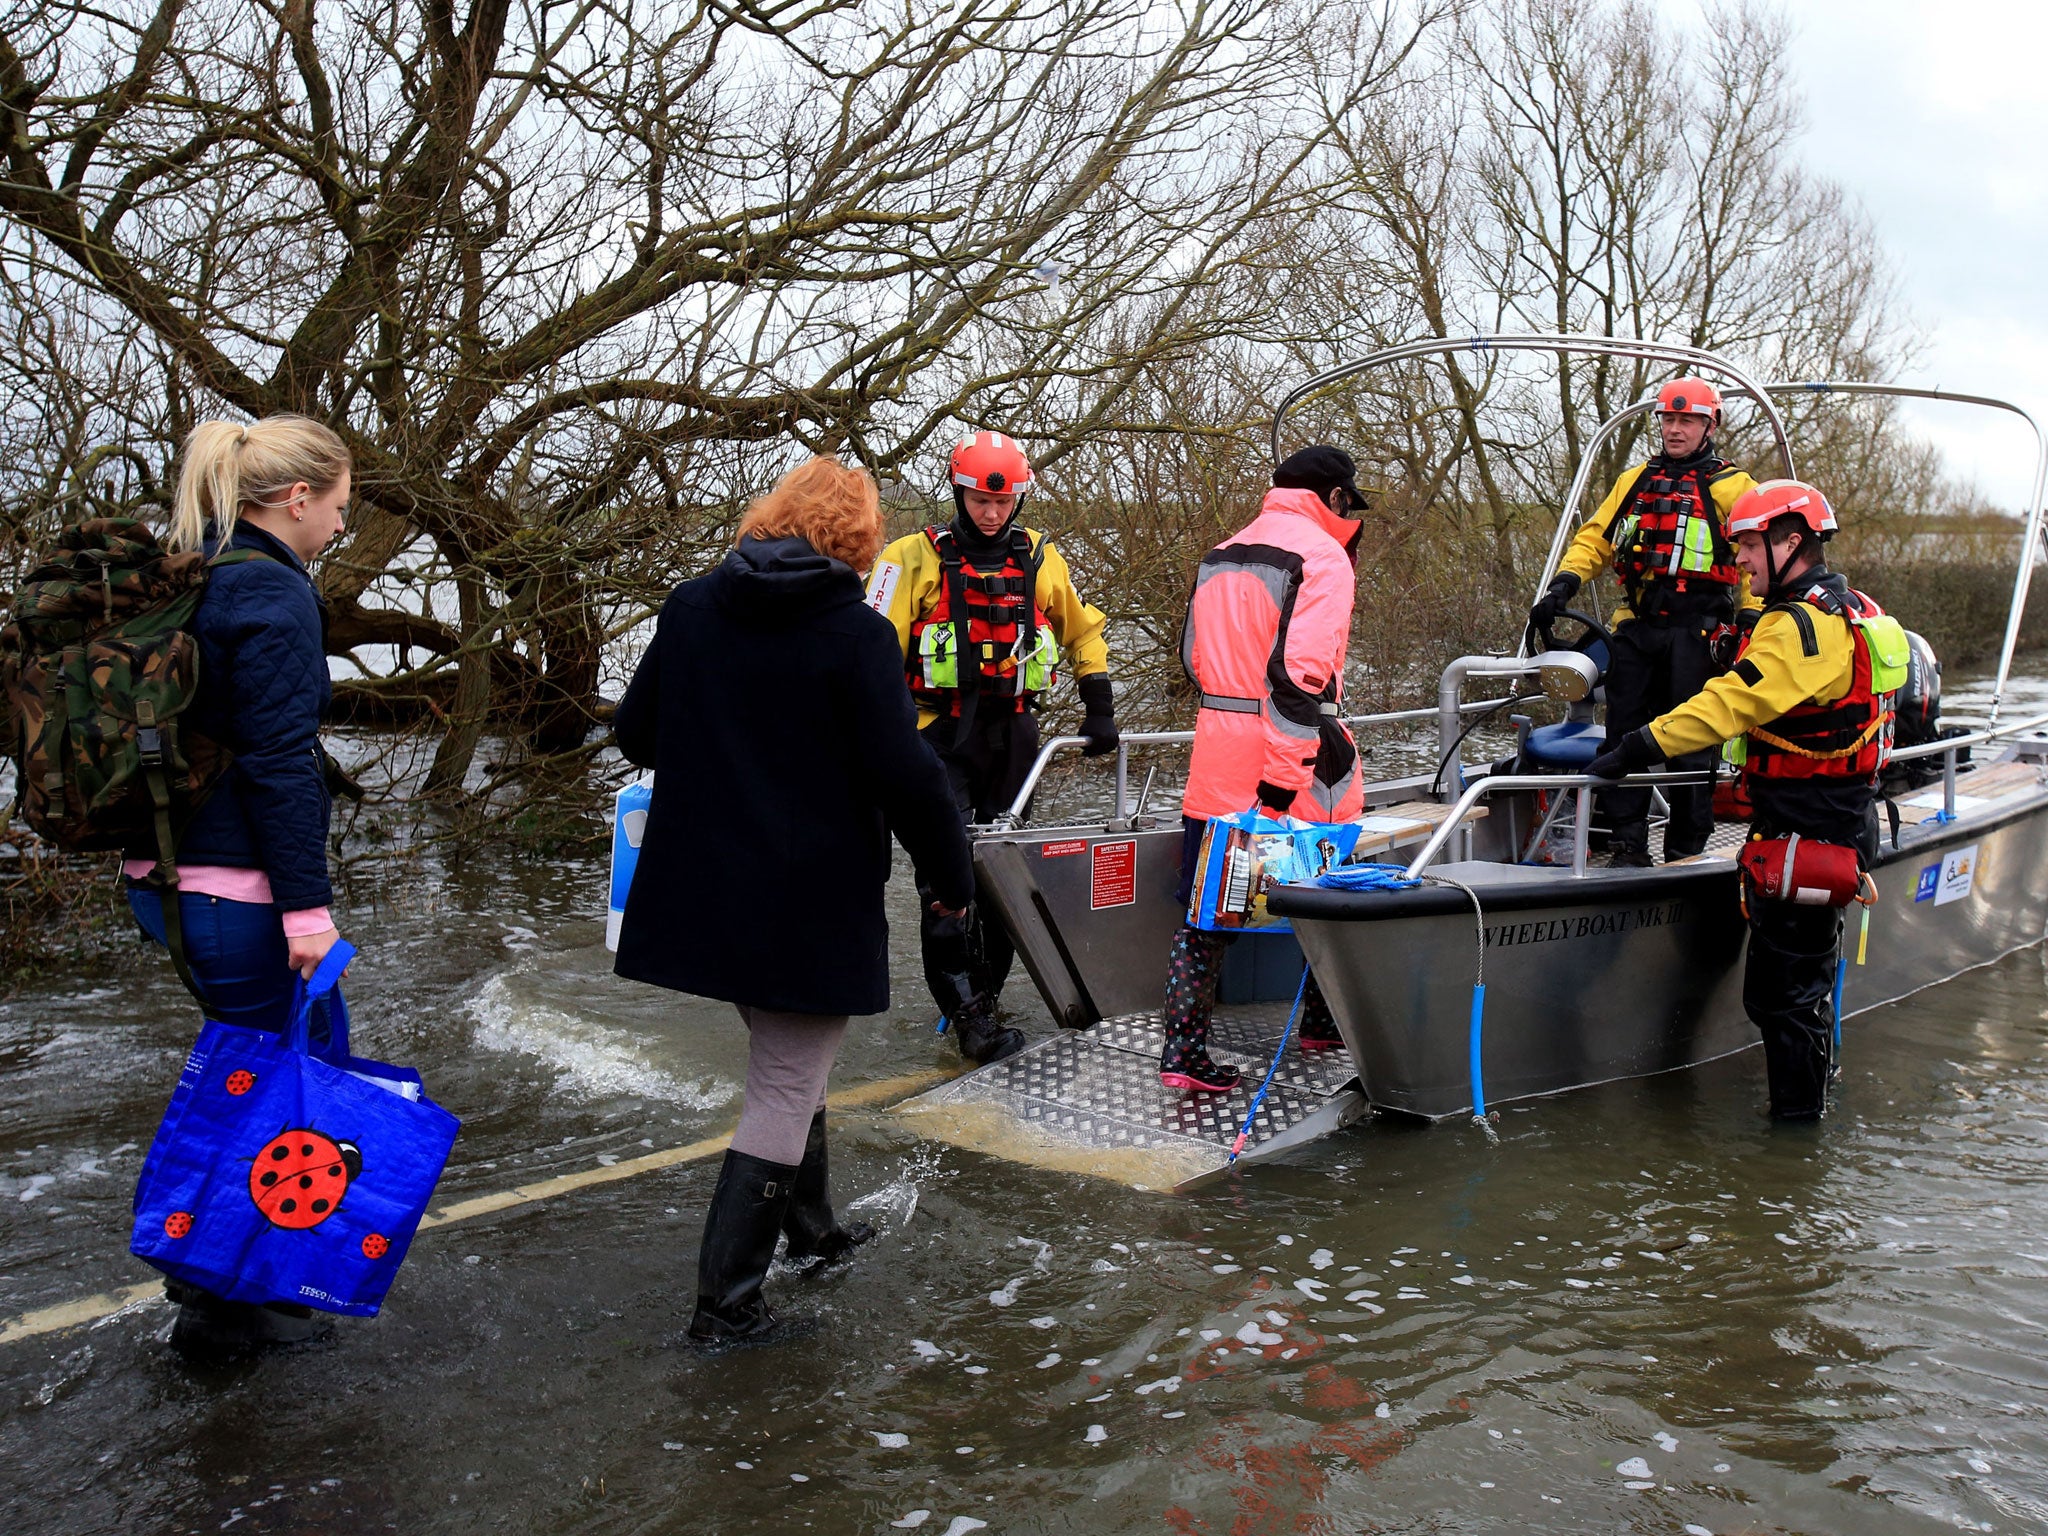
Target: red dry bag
[(1801, 870)]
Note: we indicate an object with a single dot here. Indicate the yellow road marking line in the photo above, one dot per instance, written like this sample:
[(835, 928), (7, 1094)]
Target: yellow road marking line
[(94, 1309)]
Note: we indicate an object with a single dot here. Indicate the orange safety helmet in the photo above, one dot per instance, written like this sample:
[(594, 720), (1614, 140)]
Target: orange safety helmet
[(1760, 506), (989, 461), (1689, 397)]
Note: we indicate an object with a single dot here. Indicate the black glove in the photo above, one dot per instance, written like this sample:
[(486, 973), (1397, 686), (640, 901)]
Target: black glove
[(1550, 608), (1274, 798), (1632, 754), (1098, 717)]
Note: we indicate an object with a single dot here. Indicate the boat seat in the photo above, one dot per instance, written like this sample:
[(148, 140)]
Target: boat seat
[(1385, 827), (1564, 748)]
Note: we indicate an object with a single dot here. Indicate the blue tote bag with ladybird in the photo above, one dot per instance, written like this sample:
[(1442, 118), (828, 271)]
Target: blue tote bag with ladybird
[(279, 1174)]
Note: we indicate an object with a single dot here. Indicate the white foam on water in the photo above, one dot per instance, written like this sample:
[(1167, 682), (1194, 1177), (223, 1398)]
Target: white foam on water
[(913, 1520), (1096, 1435), (926, 1349), (1007, 1296), (1312, 1289), (1049, 1361), (1163, 1384), (1322, 1258), (890, 1439), (1252, 1333), (1665, 1442), (590, 1060), (962, 1524), (1635, 1466), (1697, 1530), (1045, 1322)]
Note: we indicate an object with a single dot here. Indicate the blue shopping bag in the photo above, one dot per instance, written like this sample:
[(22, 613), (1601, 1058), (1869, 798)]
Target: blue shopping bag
[(280, 1174), (1246, 855)]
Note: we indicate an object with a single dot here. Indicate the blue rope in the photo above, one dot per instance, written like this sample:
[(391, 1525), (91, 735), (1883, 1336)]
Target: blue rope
[(1367, 877), (1392, 877), (1251, 1111), (1475, 1053)]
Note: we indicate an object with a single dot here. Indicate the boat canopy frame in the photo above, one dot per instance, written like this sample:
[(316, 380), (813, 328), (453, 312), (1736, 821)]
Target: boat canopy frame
[(1741, 384), (2030, 539)]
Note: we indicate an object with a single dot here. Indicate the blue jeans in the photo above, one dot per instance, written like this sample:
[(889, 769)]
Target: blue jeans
[(237, 953)]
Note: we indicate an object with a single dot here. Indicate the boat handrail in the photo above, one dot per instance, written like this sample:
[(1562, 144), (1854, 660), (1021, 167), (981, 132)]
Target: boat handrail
[(1949, 746), (1583, 783), (1052, 748)]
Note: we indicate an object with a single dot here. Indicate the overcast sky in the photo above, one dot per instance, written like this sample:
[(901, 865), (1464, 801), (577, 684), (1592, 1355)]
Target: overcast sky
[(1935, 117)]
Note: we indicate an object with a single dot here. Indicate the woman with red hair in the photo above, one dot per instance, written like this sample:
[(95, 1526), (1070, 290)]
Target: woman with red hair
[(771, 707)]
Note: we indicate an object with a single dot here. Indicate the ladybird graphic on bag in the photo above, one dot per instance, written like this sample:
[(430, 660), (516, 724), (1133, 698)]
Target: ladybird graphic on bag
[(283, 1172), (299, 1177)]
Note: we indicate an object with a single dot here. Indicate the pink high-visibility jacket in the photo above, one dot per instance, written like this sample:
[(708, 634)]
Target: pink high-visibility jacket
[(1267, 630)]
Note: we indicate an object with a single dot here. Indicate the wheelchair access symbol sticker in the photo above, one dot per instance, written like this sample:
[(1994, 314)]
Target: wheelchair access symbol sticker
[(1950, 880)]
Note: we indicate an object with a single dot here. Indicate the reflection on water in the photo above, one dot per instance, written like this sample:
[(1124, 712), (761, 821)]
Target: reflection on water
[(1644, 1310)]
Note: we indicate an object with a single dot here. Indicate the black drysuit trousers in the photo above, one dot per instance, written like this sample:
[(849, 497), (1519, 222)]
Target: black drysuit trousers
[(986, 767), (1788, 991), (1656, 665)]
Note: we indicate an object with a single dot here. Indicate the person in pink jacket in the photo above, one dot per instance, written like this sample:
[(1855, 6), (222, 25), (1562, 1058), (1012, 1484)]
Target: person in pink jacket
[(1267, 631)]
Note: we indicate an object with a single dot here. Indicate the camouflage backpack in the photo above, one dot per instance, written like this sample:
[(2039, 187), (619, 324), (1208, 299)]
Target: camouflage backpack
[(97, 666)]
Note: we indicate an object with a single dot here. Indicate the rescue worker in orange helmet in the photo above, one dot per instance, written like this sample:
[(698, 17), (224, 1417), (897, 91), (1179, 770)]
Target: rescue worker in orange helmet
[(983, 608), (1662, 528), (1808, 708)]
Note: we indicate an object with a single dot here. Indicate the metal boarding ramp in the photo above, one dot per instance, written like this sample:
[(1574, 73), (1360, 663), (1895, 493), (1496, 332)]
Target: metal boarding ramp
[(1092, 912)]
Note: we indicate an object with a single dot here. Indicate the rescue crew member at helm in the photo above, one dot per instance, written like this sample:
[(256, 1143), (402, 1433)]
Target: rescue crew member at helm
[(1268, 627), (1662, 529), (983, 608), (1808, 706)]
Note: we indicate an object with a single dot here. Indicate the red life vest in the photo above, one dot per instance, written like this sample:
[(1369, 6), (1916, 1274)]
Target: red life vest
[(1008, 651), (1670, 530), (1849, 739)]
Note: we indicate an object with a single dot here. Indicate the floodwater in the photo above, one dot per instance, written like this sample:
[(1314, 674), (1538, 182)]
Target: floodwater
[(1645, 1309)]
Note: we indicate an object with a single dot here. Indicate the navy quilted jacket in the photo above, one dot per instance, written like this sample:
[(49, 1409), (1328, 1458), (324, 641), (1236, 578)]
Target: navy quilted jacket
[(263, 688)]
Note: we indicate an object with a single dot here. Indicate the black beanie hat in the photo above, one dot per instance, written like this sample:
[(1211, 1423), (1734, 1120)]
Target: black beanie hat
[(1319, 469)]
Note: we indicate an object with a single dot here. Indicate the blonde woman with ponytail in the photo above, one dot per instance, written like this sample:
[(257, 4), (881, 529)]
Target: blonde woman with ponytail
[(253, 891)]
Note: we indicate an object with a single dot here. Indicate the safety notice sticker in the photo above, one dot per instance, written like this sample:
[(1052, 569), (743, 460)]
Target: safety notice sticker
[(1958, 875), (1115, 876), (1065, 848)]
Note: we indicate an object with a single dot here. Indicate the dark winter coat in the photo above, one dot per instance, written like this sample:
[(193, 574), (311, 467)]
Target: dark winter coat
[(773, 711), (263, 688)]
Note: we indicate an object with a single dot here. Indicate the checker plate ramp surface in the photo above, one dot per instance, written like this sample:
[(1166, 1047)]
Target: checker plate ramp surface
[(1091, 1101)]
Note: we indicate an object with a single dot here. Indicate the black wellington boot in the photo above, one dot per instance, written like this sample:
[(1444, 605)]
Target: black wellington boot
[(982, 1037), (210, 1327), (740, 1231), (813, 1231)]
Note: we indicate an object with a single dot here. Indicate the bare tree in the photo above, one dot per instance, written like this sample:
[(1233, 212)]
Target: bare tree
[(571, 277)]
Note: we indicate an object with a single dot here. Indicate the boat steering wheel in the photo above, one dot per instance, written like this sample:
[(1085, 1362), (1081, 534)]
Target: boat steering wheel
[(1591, 630)]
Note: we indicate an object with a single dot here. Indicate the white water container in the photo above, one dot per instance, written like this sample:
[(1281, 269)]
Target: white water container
[(629, 826)]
